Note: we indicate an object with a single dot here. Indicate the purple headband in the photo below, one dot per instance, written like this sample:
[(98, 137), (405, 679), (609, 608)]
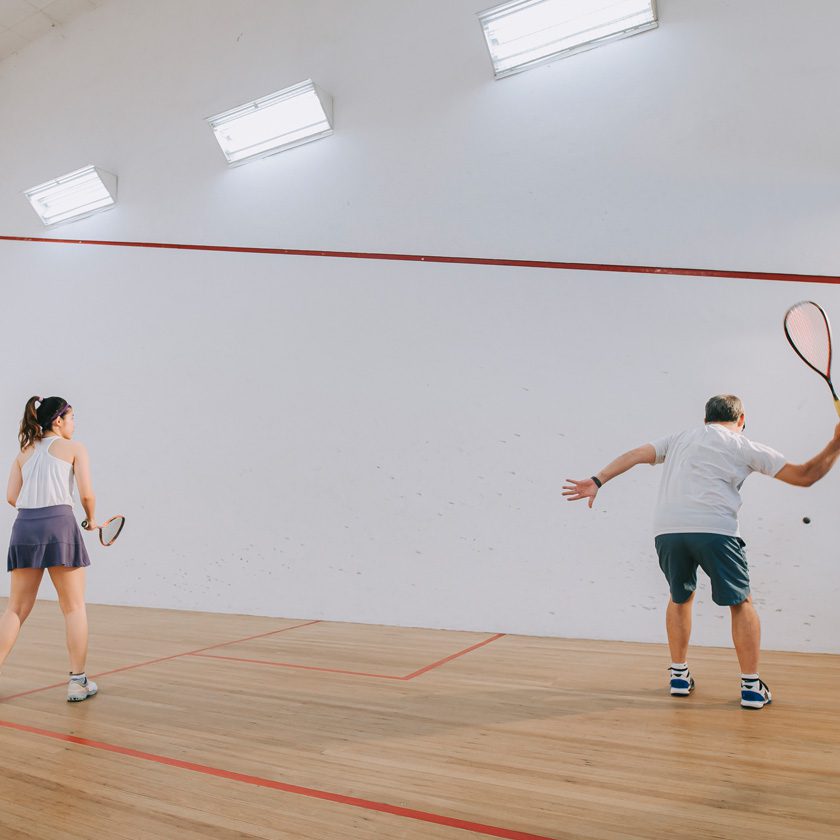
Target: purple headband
[(60, 413)]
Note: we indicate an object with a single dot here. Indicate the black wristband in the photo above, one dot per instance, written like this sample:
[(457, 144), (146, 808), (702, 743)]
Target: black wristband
[(598, 483)]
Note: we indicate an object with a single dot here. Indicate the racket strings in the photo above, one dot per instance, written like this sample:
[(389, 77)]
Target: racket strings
[(809, 334), (111, 530)]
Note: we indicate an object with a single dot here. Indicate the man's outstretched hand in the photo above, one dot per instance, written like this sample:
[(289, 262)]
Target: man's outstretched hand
[(574, 491)]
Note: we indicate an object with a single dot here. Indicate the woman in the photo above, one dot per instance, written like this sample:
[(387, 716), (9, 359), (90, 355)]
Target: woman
[(45, 534)]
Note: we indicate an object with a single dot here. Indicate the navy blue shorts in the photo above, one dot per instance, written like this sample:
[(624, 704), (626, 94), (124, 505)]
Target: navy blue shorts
[(722, 558)]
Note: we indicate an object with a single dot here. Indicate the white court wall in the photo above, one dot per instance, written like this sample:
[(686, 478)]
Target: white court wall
[(382, 442), (385, 442)]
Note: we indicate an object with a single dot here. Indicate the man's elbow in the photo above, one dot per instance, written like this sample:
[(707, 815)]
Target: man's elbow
[(643, 455), (799, 475), (807, 477)]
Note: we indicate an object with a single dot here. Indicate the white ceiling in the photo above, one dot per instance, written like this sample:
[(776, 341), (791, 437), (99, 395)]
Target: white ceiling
[(23, 21)]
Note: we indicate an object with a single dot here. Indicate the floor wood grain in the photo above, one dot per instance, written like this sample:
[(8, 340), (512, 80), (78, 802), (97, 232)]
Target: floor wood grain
[(223, 726)]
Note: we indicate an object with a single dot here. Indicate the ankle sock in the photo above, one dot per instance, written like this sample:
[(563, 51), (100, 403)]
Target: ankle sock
[(749, 678), (79, 678), (679, 666)]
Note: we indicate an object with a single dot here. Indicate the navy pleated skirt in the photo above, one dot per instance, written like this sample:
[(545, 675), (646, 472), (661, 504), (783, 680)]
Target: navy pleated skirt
[(44, 537)]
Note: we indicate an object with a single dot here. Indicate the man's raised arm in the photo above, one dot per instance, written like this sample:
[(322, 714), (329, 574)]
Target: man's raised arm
[(804, 475), (587, 488)]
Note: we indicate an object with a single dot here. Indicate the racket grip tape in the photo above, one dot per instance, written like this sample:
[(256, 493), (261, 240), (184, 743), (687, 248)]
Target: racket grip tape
[(837, 406)]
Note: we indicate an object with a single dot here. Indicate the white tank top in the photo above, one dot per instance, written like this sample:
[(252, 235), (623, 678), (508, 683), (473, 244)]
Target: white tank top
[(47, 480)]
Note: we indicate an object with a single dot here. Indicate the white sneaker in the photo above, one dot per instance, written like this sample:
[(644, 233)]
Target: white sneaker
[(754, 694), (77, 690), (682, 683)]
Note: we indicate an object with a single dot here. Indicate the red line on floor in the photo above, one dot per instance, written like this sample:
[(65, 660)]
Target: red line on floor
[(201, 652), (411, 676), (361, 255), (298, 790), (293, 665), (453, 656), (161, 659), (256, 636)]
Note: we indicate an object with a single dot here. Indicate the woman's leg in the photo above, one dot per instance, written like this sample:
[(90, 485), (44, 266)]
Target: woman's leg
[(24, 590), (70, 585)]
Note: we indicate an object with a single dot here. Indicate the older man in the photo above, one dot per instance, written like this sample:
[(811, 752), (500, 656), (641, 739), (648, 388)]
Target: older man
[(696, 524)]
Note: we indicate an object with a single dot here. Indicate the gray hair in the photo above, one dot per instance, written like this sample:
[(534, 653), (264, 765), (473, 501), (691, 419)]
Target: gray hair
[(724, 408)]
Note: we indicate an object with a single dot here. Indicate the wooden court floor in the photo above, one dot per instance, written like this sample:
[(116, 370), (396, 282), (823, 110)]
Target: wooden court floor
[(223, 726)]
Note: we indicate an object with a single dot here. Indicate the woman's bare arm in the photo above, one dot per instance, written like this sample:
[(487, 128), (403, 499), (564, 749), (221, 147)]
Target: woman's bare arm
[(15, 483), (81, 468)]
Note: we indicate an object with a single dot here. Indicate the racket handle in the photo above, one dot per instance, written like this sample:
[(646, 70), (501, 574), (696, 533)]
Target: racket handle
[(85, 522), (837, 406)]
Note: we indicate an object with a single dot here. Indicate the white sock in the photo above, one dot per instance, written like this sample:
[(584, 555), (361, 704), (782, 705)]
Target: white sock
[(82, 678), (749, 677), (679, 666)]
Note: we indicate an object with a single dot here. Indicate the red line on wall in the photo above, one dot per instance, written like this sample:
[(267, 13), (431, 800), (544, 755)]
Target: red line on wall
[(362, 255), (298, 790)]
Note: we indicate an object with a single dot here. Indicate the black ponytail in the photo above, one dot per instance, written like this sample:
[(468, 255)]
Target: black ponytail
[(37, 421), (30, 429)]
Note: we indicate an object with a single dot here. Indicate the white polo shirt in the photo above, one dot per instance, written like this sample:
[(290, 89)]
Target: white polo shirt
[(704, 470)]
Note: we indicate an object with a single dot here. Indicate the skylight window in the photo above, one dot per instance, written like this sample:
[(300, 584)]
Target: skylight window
[(526, 33), (74, 196), (279, 121)]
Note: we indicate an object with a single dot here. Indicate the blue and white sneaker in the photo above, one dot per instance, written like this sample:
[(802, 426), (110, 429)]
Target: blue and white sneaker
[(80, 688), (682, 683), (754, 693)]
